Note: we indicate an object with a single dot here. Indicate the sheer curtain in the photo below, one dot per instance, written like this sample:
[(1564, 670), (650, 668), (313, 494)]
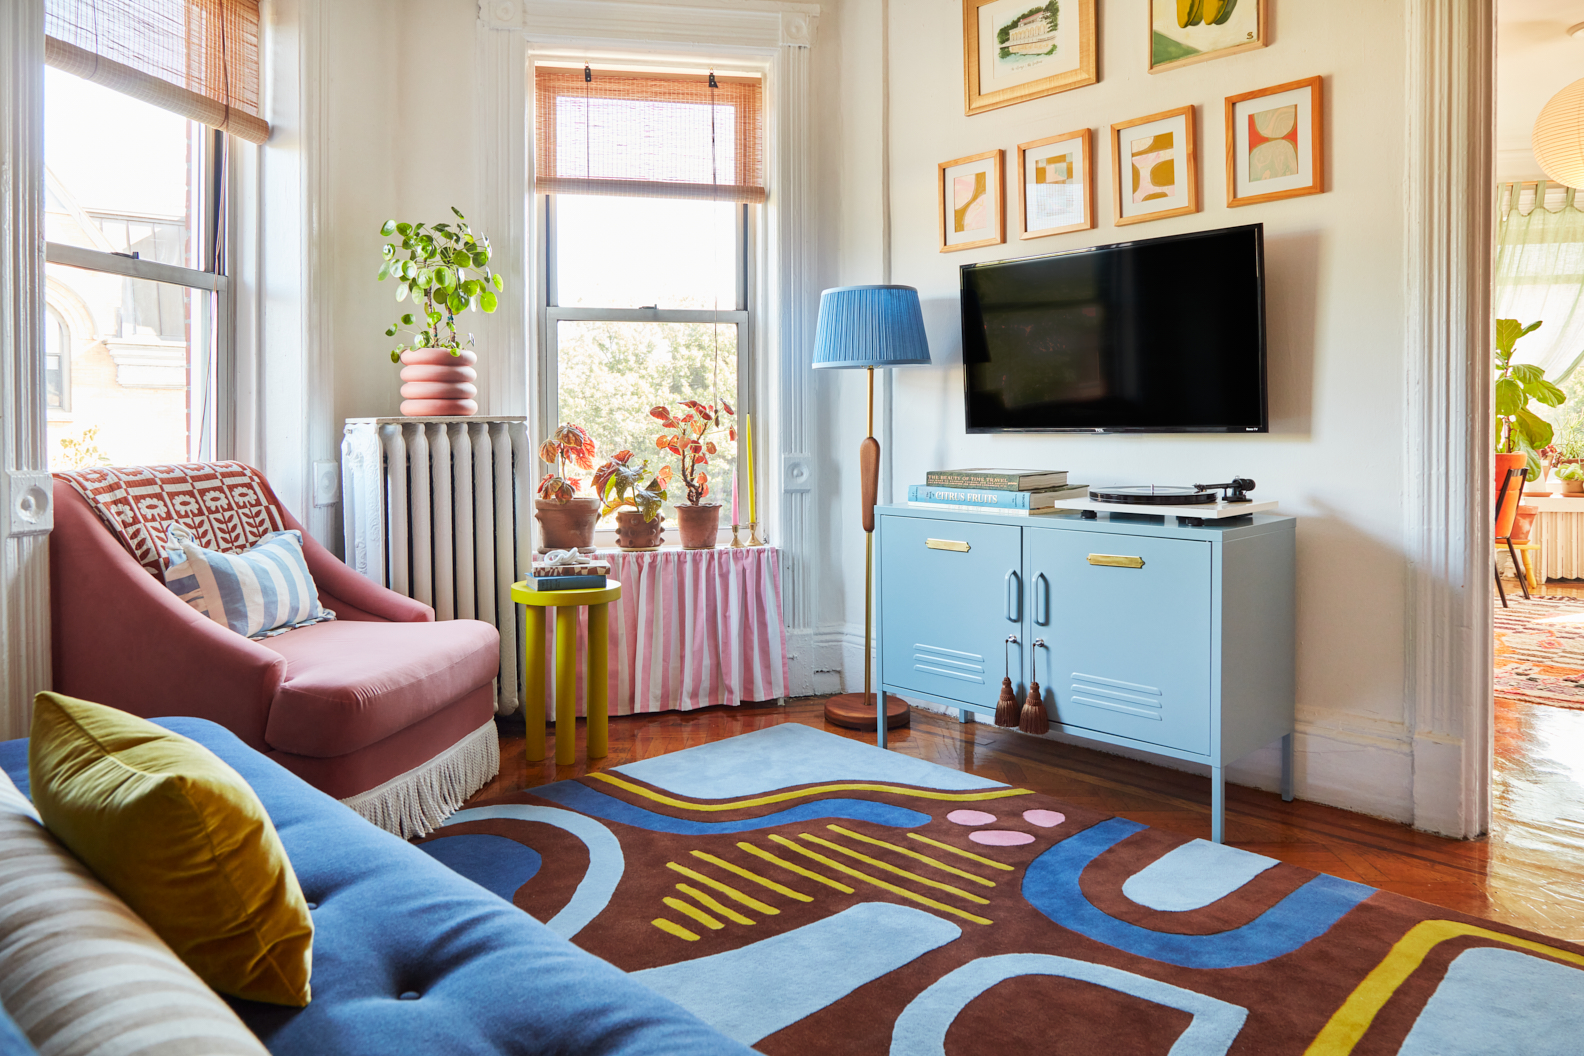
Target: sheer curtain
[(1540, 273)]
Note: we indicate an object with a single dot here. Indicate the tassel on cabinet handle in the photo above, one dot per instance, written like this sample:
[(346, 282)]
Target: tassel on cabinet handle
[(1007, 706), (1033, 718)]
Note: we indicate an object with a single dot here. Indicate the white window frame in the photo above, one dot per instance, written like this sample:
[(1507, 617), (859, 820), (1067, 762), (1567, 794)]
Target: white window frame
[(219, 442), (744, 315)]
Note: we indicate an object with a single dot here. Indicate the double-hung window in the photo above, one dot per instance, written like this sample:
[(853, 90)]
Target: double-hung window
[(141, 100), (649, 187)]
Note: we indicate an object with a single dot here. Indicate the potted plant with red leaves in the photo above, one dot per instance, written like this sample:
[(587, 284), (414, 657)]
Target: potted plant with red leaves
[(619, 483), (688, 437), (566, 522)]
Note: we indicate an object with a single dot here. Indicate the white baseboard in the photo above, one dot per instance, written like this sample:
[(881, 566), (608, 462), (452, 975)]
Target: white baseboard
[(1345, 761), (1345, 766)]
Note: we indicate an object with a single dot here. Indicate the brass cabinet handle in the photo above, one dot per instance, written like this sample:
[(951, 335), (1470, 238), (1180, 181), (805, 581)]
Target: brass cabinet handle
[(947, 544), (1116, 560)]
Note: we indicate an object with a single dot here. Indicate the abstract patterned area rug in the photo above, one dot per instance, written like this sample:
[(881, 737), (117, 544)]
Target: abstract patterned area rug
[(1540, 651), (809, 894)]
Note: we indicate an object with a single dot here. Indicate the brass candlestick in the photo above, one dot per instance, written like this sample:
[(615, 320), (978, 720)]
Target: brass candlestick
[(736, 542), (753, 534)]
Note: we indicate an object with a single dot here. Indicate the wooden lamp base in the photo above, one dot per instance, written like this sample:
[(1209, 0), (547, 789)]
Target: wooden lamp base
[(853, 711)]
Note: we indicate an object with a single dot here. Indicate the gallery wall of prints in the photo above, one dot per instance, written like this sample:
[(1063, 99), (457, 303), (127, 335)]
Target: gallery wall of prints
[(1335, 262)]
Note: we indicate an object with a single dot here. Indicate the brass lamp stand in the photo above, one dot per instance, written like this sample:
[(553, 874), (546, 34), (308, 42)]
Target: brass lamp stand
[(869, 327)]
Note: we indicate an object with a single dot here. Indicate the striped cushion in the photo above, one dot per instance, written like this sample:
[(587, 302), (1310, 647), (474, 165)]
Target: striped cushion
[(262, 591), (80, 973)]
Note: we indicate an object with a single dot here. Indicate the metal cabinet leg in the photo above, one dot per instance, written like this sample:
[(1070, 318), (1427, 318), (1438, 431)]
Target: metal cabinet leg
[(1287, 768), (964, 715), (1217, 805), (880, 719)]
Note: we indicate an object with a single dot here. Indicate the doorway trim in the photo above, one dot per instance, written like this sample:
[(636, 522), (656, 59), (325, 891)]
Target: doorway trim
[(1448, 211)]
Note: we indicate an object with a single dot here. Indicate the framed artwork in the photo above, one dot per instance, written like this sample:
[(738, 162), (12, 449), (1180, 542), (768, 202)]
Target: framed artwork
[(1056, 184), (973, 201), (1183, 32), (1155, 167), (1275, 143), (1016, 50)]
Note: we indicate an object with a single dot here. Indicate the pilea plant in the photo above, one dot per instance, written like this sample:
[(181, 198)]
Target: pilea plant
[(569, 443), (444, 269), (1517, 427), (688, 439), (617, 483)]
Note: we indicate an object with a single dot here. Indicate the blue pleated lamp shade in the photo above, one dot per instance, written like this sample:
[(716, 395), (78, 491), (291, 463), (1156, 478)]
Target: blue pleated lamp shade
[(870, 326)]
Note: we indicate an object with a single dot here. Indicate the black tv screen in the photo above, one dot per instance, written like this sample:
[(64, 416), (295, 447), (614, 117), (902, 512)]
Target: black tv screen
[(1161, 335)]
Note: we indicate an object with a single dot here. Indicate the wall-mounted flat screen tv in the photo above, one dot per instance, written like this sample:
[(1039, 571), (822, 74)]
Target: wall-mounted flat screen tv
[(1161, 335)]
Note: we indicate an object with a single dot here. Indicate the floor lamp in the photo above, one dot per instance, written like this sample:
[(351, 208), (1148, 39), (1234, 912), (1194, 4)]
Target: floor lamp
[(869, 327)]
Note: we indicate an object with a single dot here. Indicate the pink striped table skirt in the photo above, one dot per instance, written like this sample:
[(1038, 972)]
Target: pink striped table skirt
[(693, 628)]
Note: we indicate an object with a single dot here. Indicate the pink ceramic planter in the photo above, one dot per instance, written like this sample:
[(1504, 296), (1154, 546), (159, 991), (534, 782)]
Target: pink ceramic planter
[(435, 383)]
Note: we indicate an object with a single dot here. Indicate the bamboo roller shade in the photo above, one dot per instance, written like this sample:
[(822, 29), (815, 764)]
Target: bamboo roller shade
[(648, 135), (198, 58)]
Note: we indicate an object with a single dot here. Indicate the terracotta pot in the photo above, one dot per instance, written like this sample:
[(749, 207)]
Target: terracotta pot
[(1523, 523), (635, 533), (1504, 516), (1573, 487), (435, 383), (698, 525), (566, 525)]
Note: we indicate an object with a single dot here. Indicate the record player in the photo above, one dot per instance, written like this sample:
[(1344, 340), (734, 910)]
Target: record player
[(1191, 505)]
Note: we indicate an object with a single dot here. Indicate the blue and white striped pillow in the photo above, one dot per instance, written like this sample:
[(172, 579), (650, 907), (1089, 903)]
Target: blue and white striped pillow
[(262, 591)]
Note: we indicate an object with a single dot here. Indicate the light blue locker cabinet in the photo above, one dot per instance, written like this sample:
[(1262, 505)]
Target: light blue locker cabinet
[(962, 581), (1142, 632)]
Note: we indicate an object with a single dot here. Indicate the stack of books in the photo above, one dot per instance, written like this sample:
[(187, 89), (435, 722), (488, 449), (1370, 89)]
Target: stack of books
[(1014, 492), (589, 576)]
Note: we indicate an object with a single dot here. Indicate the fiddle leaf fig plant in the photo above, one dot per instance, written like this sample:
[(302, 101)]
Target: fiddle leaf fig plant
[(443, 269), (1517, 427)]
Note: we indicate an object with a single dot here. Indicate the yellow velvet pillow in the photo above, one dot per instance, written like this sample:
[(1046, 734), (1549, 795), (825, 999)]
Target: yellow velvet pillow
[(181, 838)]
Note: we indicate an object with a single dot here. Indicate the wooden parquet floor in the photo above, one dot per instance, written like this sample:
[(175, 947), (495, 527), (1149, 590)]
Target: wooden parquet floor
[(1529, 872)]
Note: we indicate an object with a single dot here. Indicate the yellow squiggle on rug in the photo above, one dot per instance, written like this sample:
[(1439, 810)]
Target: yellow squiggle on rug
[(781, 797), (1349, 1023)]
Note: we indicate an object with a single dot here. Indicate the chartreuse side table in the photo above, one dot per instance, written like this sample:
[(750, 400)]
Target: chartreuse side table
[(566, 603)]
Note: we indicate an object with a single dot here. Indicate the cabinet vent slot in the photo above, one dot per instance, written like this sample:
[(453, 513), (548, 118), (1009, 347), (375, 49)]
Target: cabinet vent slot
[(1129, 698), (949, 663)]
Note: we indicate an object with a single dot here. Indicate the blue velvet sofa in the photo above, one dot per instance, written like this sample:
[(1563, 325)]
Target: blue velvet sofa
[(410, 957)]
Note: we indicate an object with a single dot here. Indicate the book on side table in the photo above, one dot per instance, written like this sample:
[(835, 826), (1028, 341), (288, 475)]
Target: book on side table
[(588, 576), (994, 501)]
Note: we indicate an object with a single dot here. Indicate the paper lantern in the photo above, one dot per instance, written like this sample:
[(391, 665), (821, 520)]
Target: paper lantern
[(1559, 136)]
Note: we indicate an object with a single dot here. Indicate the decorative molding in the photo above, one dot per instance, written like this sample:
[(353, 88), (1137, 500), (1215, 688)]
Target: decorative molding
[(797, 29), (793, 302), (24, 484), (503, 172), (1450, 93), (738, 23)]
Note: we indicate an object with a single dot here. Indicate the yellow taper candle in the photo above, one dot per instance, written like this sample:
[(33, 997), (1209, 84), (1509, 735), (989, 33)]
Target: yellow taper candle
[(747, 443)]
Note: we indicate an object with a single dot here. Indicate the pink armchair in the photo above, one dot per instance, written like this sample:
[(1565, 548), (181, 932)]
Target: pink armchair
[(383, 708)]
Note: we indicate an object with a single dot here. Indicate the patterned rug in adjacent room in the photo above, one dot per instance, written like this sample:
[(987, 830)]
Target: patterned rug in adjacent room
[(810, 894), (1540, 651)]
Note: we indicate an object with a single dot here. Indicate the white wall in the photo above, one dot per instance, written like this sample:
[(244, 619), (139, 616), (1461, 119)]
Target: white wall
[(1334, 300)]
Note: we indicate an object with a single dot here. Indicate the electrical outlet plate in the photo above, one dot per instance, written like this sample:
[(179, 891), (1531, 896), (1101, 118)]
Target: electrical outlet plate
[(327, 483)]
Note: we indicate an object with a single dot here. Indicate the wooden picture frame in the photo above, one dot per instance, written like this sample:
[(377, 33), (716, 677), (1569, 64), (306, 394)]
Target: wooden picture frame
[(1290, 159), (1038, 214), (1245, 25), (1142, 151), (963, 210), (994, 77)]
